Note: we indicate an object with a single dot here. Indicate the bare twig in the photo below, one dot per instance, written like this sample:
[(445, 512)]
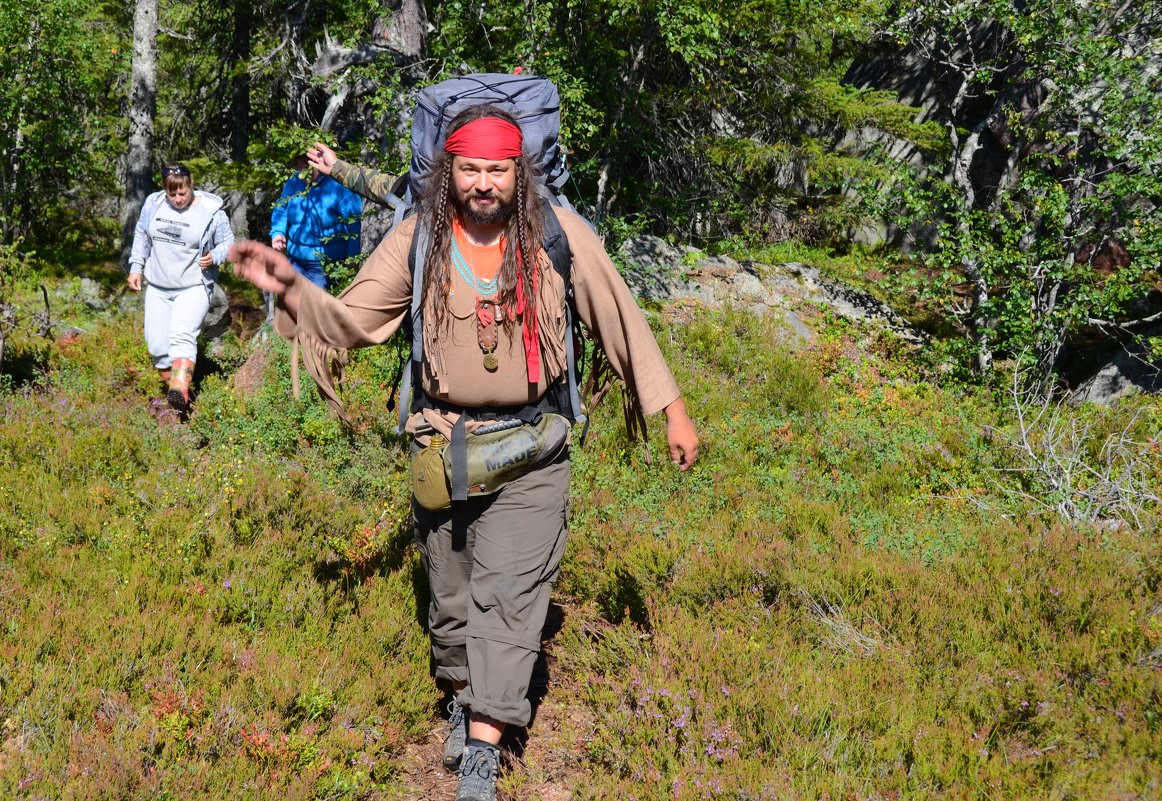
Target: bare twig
[(1054, 451), (1125, 324)]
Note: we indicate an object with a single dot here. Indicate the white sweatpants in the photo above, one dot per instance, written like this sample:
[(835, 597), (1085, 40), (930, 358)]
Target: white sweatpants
[(173, 320)]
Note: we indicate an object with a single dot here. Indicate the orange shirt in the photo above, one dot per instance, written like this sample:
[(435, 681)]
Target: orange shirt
[(483, 260)]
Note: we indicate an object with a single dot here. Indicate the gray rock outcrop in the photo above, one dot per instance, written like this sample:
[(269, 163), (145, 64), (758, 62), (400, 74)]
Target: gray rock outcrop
[(217, 321), (1131, 370), (657, 270)]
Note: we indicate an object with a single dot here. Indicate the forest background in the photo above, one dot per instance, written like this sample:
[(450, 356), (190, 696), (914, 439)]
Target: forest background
[(898, 572)]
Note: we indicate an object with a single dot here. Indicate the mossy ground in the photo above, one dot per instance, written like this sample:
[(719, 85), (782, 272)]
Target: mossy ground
[(845, 598)]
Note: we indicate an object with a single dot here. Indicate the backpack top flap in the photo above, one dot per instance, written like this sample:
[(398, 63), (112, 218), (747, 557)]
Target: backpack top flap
[(532, 99)]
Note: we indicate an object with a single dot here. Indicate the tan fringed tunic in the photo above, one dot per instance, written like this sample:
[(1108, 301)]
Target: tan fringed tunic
[(374, 306)]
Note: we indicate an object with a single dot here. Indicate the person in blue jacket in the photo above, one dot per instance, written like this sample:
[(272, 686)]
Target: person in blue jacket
[(316, 218)]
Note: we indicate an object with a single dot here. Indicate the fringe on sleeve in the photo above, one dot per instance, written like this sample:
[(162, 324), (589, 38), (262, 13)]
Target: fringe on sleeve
[(600, 379), (326, 365)]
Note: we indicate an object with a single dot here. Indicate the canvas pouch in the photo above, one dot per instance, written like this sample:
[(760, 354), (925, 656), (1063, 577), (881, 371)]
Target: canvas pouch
[(497, 453)]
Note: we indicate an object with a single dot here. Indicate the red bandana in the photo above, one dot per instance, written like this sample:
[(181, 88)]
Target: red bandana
[(486, 138)]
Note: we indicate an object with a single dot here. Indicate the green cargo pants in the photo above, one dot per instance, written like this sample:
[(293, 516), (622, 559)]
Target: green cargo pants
[(491, 563)]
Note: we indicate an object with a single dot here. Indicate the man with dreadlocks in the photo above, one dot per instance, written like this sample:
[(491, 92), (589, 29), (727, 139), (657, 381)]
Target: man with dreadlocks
[(493, 333)]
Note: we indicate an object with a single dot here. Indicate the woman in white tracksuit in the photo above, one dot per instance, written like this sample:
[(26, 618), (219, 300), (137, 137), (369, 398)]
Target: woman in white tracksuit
[(181, 237)]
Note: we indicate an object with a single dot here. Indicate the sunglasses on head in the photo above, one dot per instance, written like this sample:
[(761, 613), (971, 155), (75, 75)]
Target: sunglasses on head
[(166, 172)]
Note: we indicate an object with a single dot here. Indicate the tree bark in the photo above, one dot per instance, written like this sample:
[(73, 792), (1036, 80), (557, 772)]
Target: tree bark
[(142, 106), (403, 27), (238, 203), (979, 323), (632, 82), (240, 81), (334, 105), (401, 34)]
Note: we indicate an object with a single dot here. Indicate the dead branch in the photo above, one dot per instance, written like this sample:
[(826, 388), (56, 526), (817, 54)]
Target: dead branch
[(1052, 448), (332, 58)]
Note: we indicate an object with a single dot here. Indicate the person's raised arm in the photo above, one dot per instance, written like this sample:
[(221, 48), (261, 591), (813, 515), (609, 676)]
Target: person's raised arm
[(367, 182), (268, 270)]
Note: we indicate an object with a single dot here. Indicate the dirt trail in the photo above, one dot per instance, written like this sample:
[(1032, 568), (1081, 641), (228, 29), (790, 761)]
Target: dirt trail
[(541, 762)]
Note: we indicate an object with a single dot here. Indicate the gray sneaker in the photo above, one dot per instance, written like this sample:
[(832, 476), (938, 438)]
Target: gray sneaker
[(478, 772), (457, 734)]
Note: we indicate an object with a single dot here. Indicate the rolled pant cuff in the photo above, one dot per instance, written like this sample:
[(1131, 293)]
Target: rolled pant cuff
[(530, 641), (457, 673), (511, 714)]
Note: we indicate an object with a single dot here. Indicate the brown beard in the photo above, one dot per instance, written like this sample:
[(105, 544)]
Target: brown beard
[(500, 213)]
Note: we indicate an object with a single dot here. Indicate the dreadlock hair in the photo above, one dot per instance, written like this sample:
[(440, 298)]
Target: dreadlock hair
[(523, 234)]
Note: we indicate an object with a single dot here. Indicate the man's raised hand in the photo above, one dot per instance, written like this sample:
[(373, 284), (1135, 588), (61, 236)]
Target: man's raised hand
[(321, 157), (262, 266)]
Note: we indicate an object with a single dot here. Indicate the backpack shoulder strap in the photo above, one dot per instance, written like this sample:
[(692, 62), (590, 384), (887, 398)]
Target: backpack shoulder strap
[(557, 246), (417, 253)]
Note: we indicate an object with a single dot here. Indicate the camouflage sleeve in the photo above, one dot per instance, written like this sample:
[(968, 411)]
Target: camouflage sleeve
[(370, 183)]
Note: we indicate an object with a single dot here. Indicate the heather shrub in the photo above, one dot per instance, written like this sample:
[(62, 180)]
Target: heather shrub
[(849, 603), (754, 363), (868, 673), (849, 596), (196, 610)]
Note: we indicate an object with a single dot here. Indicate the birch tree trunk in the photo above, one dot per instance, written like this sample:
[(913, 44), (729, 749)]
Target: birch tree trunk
[(142, 105), (14, 209)]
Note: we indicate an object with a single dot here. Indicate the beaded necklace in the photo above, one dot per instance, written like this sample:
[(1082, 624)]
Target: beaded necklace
[(488, 312), (484, 287)]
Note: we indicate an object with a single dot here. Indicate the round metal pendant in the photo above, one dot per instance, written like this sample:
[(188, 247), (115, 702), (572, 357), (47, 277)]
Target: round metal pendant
[(490, 362)]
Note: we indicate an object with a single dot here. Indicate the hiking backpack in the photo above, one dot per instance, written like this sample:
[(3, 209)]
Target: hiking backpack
[(534, 102), (532, 99)]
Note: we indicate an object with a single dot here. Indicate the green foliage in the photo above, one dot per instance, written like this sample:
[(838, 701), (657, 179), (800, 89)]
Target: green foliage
[(283, 142), (25, 322), (340, 272), (849, 596), (18, 268), (219, 553), (58, 126), (195, 84), (818, 561), (745, 98), (1070, 233), (737, 346), (865, 673), (247, 602)]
